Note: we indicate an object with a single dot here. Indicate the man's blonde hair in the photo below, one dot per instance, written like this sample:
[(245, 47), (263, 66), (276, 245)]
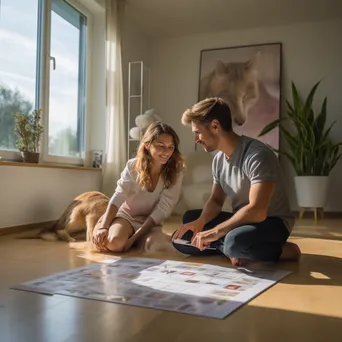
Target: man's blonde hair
[(208, 110)]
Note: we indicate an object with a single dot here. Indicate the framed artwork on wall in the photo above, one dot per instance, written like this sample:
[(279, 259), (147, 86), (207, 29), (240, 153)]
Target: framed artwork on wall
[(97, 159), (248, 78)]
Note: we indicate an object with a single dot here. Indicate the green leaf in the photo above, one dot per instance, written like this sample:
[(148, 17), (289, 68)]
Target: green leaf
[(310, 139), (291, 140), (320, 120), (329, 129), (301, 129), (297, 101), (290, 108), (334, 161), (311, 117), (271, 126), (308, 103)]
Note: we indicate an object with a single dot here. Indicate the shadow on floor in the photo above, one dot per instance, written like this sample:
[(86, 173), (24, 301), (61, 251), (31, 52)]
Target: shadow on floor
[(314, 269), (249, 323), (318, 231)]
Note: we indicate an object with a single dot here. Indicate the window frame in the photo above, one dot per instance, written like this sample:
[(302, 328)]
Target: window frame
[(42, 88), (46, 157)]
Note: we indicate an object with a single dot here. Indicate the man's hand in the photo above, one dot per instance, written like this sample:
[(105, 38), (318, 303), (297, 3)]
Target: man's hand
[(195, 226), (203, 239)]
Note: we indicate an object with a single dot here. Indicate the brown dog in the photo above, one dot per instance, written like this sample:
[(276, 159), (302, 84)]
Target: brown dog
[(82, 214)]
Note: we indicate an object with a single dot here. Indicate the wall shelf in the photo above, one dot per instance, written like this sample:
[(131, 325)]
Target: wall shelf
[(138, 99)]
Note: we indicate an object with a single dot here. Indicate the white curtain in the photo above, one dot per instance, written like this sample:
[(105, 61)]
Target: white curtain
[(115, 154)]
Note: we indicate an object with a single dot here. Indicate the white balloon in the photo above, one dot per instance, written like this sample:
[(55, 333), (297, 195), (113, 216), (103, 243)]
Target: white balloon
[(138, 120), (144, 121), (134, 133), (150, 111)]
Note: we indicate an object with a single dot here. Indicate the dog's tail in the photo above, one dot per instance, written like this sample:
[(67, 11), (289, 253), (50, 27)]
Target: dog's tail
[(48, 236), (44, 233), (54, 231)]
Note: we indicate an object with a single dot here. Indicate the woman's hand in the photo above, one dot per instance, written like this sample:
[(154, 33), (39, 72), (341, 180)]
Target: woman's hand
[(129, 243), (100, 238)]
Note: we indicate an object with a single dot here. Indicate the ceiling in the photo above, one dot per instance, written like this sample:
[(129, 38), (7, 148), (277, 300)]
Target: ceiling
[(173, 18)]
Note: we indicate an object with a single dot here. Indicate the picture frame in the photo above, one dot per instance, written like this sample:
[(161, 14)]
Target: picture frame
[(96, 159), (249, 79)]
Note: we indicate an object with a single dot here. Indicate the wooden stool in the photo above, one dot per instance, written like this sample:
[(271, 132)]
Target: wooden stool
[(316, 210)]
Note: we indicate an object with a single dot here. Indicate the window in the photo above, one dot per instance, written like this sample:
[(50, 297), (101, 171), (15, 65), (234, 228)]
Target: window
[(44, 63), (18, 55), (67, 80)]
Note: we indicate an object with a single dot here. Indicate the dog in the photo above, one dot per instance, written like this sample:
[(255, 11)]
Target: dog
[(234, 82), (81, 214)]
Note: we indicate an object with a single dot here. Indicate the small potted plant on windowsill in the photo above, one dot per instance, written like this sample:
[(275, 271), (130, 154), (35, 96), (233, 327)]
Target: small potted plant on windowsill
[(311, 151), (29, 131)]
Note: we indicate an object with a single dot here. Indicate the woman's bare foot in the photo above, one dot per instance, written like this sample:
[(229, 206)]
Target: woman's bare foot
[(291, 252)]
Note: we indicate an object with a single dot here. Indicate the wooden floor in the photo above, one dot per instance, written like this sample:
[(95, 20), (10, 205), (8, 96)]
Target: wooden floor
[(305, 306)]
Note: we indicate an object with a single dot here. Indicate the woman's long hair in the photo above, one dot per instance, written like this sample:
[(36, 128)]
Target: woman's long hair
[(143, 165)]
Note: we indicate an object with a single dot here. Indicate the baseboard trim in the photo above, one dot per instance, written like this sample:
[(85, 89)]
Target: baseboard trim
[(327, 214), (24, 227), (38, 225)]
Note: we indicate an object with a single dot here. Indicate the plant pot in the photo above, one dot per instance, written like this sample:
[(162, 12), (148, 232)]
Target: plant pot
[(30, 157), (312, 191)]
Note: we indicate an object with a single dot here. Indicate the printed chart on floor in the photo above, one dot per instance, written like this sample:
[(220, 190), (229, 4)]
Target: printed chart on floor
[(183, 287)]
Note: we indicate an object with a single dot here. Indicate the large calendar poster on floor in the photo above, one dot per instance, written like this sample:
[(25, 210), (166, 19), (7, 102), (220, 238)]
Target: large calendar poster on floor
[(185, 287)]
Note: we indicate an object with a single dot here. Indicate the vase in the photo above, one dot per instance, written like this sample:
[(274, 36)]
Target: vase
[(30, 157), (312, 191)]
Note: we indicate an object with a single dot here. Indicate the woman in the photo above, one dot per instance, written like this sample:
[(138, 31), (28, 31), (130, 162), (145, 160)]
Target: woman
[(145, 195)]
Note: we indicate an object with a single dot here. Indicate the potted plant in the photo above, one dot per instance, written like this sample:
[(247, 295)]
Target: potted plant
[(29, 131), (311, 151)]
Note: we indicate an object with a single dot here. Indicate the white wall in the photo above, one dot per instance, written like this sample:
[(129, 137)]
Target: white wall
[(311, 51), (36, 194)]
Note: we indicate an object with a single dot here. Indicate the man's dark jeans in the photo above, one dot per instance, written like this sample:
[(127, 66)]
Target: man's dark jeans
[(256, 241)]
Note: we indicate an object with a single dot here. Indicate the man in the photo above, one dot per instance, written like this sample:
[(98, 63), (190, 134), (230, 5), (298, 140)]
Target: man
[(248, 172)]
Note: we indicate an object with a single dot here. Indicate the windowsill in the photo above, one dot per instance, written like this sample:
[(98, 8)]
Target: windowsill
[(50, 166)]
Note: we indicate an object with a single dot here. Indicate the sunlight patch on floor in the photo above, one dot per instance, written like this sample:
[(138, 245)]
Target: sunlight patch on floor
[(98, 257), (300, 309), (319, 275)]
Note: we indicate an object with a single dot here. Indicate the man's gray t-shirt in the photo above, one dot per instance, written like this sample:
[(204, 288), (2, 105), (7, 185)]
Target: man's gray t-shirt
[(252, 162)]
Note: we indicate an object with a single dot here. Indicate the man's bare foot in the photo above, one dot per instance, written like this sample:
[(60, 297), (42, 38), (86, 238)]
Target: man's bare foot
[(291, 252), (238, 262), (234, 261)]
